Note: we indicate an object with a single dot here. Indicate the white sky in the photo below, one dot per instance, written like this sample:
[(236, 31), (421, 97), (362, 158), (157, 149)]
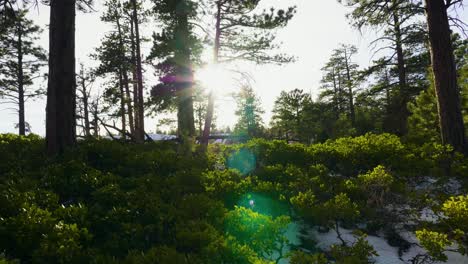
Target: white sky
[(317, 29)]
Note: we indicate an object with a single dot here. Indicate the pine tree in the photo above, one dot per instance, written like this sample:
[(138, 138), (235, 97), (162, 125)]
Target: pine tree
[(249, 113), (21, 62), (61, 87), (243, 34), (177, 48), (404, 37), (424, 123), (445, 75), (290, 115), (340, 80), (84, 82)]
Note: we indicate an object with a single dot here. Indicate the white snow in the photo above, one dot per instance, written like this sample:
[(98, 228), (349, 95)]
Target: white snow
[(386, 253)]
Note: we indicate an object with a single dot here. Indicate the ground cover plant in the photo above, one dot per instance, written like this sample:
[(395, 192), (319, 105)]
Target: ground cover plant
[(114, 202)]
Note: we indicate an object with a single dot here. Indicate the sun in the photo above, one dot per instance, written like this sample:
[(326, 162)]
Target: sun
[(216, 79)]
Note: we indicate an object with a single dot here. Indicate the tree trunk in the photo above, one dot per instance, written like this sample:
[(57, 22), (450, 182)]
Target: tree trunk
[(125, 80), (128, 100), (352, 112), (95, 113), (134, 78), (335, 96), (403, 94), (445, 76), (21, 123), (186, 124), (61, 88), (140, 130), (122, 105), (86, 110), (210, 109)]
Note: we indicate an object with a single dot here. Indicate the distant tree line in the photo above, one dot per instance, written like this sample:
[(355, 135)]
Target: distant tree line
[(421, 69)]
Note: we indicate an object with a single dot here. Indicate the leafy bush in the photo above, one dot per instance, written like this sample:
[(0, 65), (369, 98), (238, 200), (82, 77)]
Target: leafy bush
[(262, 233), (353, 155), (112, 202), (299, 257), (360, 252), (376, 185), (434, 242)]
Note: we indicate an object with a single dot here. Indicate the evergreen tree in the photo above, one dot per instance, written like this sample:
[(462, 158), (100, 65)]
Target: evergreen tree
[(136, 40), (110, 67), (249, 113), (61, 87), (116, 63), (404, 36), (241, 33), (340, 80), (177, 48), (84, 81), (445, 74), (21, 62), (289, 115), (424, 123)]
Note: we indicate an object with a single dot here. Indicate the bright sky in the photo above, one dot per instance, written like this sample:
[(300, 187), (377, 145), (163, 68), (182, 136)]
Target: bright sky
[(317, 28)]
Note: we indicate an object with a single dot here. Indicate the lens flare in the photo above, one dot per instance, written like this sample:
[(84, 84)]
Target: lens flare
[(215, 78), (243, 160)]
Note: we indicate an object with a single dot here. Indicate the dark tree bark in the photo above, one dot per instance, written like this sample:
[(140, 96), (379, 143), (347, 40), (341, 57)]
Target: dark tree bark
[(128, 100), (404, 113), (186, 123), (210, 109), (134, 78), (21, 122), (95, 113), (61, 88), (140, 130), (352, 112), (445, 75), (336, 90), (124, 70), (86, 108), (122, 105)]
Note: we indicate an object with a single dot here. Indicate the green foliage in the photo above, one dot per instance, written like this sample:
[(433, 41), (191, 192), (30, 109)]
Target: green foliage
[(289, 119), (423, 124), (108, 201), (376, 185), (456, 209), (21, 59), (378, 179), (249, 111), (299, 257), (352, 155), (262, 233), (341, 208), (248, 33), (360, 252), (19, 153), (227, 184), (434, 242)]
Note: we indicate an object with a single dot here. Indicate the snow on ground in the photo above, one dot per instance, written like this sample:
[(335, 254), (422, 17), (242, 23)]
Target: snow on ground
[(159, 137), (387, 253)]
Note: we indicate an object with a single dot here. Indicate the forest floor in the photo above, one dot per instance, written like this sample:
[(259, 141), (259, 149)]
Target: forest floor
[(259, 202)]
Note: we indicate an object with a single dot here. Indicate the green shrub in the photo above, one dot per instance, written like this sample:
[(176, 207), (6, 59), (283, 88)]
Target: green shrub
[(434, 242), (360, 252), (262, 233), (376, 185), (300, 257), (456, 211), (353, 155)]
